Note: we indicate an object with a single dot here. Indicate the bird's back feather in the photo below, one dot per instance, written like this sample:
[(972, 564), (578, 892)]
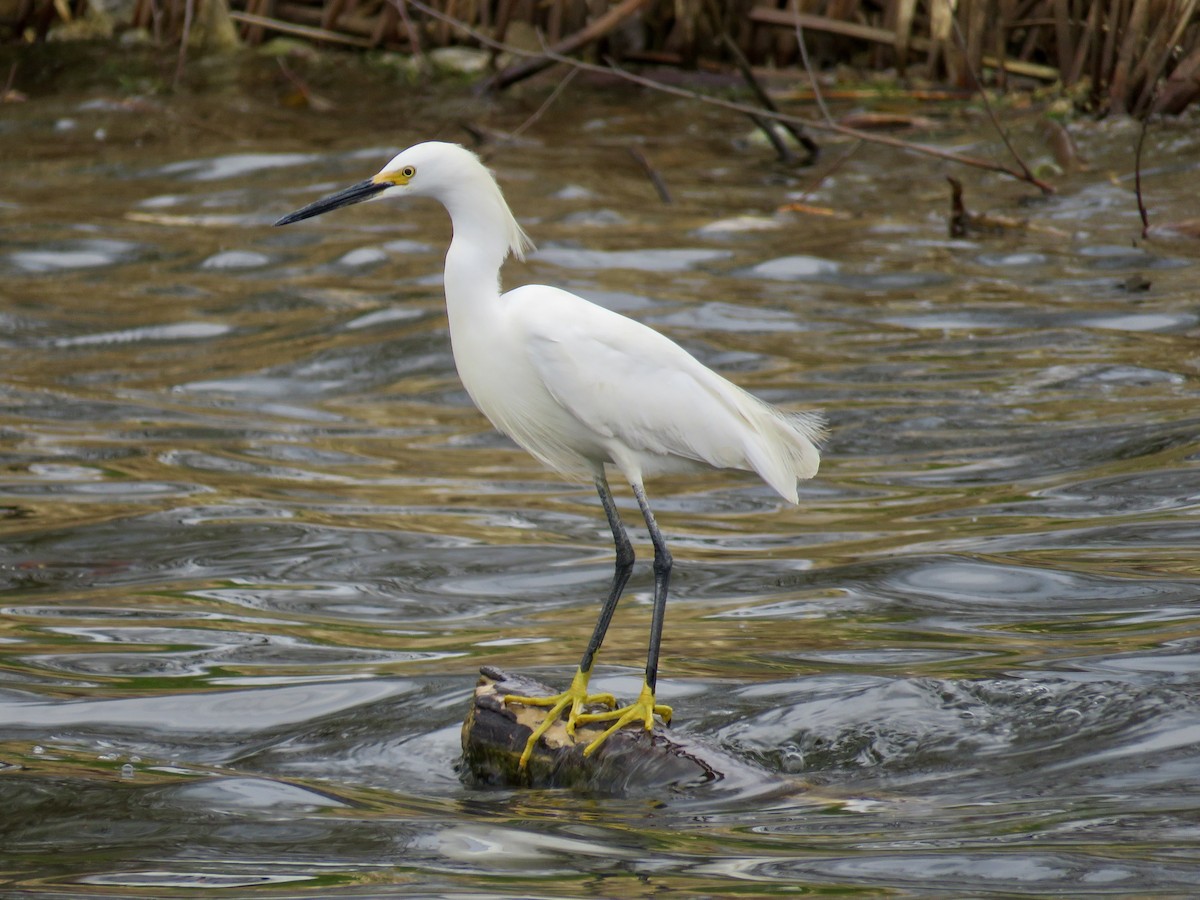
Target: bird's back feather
[(648, 403)]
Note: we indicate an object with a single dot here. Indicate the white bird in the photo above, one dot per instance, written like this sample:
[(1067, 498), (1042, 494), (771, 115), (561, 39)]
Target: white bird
[(581, 387)]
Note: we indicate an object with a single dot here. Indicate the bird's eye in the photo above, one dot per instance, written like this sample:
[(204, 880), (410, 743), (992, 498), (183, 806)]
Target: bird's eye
[(408, 171)]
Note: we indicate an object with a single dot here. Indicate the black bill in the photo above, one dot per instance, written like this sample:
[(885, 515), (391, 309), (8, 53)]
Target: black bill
[(356, 193)]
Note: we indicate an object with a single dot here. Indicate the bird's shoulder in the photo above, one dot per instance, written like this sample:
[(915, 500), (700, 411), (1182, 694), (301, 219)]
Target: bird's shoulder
[(622, 379), (557, 321)]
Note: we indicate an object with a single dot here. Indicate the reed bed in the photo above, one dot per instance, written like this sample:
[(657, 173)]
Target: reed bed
[(1116, 56)]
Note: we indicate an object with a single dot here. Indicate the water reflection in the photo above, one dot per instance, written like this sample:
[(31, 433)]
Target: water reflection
[(256, 542)]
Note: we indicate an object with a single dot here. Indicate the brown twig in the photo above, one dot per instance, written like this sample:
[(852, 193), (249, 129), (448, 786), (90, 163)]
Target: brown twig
[(546, 104), (1137, 179), (812, 76), (886, 140), (414, 36), (781, 149), (959, 218), (189, 11), (652, 173), (961, 43), (497, 140), (302, 90), (745, 109), (837, 164), (11, 94), (766, 126), (536, 62)]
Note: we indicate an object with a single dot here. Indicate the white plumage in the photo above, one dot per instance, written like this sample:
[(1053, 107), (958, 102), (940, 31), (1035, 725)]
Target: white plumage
[(579, 386)]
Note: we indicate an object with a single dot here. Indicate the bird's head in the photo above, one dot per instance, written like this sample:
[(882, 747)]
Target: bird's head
[(431, 169), (446, 172)]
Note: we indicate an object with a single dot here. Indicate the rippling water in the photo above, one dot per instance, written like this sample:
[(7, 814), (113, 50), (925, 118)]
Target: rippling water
[(256, 542)]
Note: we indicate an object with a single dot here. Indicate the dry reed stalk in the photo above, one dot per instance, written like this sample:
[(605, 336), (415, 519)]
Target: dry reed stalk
[(301, 31), (596, 29), (1118, 86), (331, 12), (1064, 37), (1181, 87), (973, 16), (1167, 35), (941, 22), (416, 45), (919, 43), (189, 12), (1132, 52), (385, 25), (1084, 47), (1106, 62), (901, 14)]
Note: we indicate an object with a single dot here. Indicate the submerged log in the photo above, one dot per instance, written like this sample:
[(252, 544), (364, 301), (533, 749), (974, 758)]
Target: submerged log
[(494, 735)]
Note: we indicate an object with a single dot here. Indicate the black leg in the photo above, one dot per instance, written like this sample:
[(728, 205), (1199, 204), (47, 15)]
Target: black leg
[(643, 710), (662, 580), (624, 566), (572, 701)]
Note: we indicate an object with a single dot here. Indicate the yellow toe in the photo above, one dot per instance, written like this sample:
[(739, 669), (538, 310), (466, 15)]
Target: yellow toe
[(572, 701), (642, 711)]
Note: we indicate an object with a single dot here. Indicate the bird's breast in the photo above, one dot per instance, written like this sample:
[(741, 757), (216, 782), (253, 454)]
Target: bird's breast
[(505, 386)]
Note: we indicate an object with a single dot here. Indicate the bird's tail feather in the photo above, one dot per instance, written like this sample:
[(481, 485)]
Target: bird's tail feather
[(787, 450)]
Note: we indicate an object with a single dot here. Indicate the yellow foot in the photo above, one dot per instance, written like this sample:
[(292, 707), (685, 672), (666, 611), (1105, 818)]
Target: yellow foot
[(643, 710), (575, 698)]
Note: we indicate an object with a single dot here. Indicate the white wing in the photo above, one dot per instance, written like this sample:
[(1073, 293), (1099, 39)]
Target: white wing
[(650, 402)]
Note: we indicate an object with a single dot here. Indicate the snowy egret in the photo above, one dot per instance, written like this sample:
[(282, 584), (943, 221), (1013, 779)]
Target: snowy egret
[(579, 387)]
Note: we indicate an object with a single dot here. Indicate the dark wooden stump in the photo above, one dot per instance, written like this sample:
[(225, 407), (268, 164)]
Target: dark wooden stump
[(631, 760)]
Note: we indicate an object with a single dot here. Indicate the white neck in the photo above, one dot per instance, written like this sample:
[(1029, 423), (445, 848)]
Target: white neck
[(483, 227), (485, 232), (473, 262)]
